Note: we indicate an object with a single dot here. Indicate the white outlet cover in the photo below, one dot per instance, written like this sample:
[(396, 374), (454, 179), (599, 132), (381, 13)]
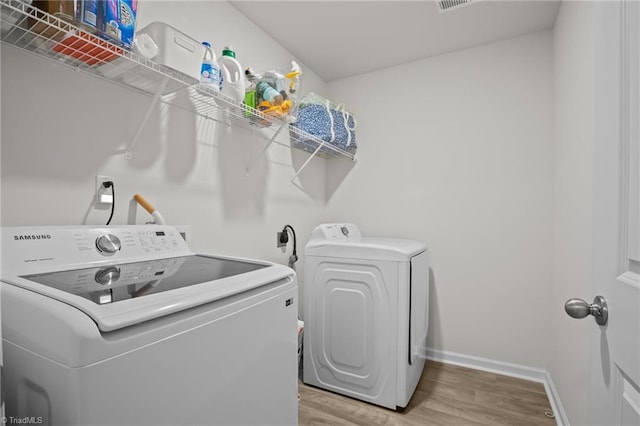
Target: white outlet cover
[(104, 196)]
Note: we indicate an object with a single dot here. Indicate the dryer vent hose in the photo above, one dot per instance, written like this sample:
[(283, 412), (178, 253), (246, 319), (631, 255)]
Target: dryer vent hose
[(157, 217)]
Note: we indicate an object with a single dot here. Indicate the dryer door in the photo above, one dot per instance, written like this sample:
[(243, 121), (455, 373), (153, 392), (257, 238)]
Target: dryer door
[(350, 327), (419, 311)]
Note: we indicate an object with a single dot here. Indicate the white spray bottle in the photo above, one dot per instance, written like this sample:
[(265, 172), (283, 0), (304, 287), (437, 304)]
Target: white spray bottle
[(232, 75)]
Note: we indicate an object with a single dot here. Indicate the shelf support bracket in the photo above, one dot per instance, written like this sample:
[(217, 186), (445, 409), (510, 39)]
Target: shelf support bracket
[(271, 140), (307, 161), (156, 98)]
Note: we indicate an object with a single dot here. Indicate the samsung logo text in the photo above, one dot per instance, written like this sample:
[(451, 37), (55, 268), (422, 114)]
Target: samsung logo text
[(32, 237)]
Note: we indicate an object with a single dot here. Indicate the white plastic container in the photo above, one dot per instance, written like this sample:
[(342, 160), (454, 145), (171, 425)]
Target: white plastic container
[(177, 50), (232, 75)]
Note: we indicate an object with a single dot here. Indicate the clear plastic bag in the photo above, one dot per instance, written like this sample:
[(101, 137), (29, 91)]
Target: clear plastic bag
[(318, 117), (273, 93)]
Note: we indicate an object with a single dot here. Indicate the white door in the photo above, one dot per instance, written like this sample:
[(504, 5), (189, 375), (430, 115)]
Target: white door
[(615, 347)]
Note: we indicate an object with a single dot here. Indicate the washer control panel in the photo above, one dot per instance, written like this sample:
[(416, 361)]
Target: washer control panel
[(108, 244), (36, 248)]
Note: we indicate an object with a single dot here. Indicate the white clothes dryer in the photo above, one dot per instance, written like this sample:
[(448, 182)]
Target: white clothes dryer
[(366, 314)]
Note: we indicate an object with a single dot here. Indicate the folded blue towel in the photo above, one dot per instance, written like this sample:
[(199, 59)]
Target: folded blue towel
[(315, 120)]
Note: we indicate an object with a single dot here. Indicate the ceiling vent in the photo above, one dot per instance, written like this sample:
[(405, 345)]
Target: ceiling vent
[(447, 5)]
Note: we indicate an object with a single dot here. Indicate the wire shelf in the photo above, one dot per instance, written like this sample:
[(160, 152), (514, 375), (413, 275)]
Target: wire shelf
[(33, 30)]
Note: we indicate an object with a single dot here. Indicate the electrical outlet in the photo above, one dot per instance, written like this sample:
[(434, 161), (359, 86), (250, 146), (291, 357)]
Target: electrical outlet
[(278, 241), (104, 196), (184, 231)]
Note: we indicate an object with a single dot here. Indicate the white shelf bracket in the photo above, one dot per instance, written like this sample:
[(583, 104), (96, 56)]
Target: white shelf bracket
[(271, 140), (156, 98), (307, 162)]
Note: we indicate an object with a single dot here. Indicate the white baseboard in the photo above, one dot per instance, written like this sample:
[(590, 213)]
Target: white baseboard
[(524, 372), (556, 404)]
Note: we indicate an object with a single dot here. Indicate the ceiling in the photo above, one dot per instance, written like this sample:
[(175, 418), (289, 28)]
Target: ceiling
[(338, 39)]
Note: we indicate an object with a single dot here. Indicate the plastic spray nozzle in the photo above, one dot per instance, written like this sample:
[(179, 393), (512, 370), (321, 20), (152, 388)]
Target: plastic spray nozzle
[(251, 75), (295, 70), (294, 76)]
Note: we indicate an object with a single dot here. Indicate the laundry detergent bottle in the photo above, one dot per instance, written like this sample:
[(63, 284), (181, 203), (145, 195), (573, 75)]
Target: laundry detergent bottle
[(210, 71), (233, 84)]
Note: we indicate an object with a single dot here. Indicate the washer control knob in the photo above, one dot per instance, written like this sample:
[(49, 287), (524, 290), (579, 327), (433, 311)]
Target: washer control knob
[(107, 276), (108, 244)]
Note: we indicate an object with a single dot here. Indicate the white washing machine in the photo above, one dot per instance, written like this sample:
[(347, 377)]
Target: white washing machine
[(126, 326), (366, 314)]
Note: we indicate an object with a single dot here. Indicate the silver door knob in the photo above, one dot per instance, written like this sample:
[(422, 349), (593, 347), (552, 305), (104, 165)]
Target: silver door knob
[(578, 308)]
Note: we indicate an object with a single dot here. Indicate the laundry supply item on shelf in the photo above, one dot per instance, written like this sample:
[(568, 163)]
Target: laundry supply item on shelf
[(61, 9), (87, 15), (330, 123), (209, 71), (232, 76), (272, 93), (144, 46), (117, 20), (176, 50), (87, 48)]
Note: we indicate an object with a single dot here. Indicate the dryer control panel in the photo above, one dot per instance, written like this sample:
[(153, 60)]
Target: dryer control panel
[(336, 232)]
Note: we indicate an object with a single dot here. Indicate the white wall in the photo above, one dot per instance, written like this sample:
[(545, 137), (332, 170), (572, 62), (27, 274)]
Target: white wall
[(61, 128), (456, 150), (572, 212)]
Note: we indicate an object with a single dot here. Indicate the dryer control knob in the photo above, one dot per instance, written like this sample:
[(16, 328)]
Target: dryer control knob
[(108, 244)]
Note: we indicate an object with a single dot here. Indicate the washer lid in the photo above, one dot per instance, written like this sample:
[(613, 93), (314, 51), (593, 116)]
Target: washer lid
[(120, 295), (125, 275), (345, 241)]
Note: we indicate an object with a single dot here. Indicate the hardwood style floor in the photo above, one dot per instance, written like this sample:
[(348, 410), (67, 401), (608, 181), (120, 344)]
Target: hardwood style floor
[(446, 395)]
